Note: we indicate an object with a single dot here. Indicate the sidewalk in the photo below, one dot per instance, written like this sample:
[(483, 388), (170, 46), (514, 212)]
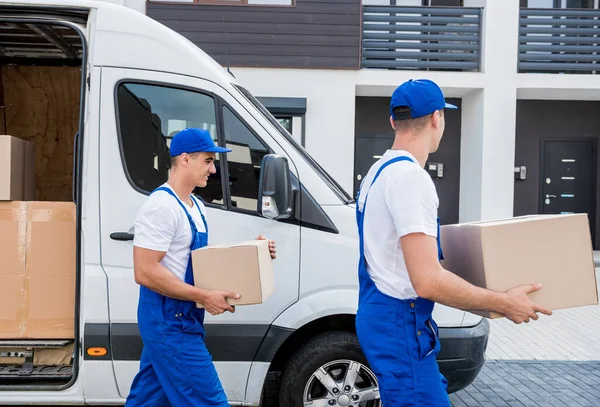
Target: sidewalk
[(570, 334)]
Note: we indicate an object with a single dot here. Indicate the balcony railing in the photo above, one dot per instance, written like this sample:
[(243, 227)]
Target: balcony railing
[(421, 38), (558, 40)]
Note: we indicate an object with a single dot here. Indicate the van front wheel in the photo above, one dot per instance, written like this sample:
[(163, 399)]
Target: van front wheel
[(329, 370)]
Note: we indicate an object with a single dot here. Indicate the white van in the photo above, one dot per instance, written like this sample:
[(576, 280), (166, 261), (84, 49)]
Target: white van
[(135, 82)]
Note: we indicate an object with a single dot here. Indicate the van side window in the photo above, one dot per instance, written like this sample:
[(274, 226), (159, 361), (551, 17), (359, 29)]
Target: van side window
[(148, 118), (243, 162)]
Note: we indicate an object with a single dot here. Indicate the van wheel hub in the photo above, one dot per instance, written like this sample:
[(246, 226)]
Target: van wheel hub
[(342, 383)]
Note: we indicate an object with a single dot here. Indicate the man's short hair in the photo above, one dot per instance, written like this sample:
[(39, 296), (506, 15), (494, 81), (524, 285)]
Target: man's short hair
[(176, 158), (404, 122)]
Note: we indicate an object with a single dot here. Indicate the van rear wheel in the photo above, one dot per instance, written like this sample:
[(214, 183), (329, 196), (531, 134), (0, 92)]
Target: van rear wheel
[(329, 370)]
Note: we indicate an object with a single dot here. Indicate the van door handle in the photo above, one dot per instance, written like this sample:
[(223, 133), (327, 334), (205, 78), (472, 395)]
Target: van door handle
[(122, 236)]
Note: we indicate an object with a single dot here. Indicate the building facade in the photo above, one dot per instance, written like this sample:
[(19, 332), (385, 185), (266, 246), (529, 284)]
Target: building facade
[(523, 73)]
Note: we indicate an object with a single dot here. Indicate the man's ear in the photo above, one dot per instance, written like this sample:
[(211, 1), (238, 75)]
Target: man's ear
[(436, 118), (184, 158), (392, 123)]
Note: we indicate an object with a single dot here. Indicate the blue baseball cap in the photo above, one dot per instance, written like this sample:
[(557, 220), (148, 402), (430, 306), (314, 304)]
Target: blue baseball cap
[(193, 141), (421, 96)]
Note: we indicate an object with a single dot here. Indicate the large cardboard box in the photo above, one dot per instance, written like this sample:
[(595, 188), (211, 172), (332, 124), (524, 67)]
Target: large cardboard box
[(37, 272), (245, 268), (17, 180), (555, 250)]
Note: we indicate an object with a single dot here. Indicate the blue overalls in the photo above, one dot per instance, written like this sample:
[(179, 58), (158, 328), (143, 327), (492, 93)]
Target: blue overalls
[(398, 337), (176, 368)]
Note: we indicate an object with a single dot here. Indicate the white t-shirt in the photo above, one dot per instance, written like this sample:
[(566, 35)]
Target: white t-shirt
[(162, 225), (403, 200)]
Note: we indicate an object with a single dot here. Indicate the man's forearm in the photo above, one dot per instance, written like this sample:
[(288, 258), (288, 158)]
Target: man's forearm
[(158, 278), (449, 289)]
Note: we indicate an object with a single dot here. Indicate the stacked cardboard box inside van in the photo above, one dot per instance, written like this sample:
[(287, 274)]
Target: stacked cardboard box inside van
[(37, 248)]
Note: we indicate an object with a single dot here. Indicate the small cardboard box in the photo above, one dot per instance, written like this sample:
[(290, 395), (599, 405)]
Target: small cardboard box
[(245, 268), (17, 181), (555, 250), (37, 273)]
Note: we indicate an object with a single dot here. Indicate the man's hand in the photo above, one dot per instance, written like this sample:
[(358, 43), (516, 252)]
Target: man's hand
[(272, 247), (215, 301), (519, 308)]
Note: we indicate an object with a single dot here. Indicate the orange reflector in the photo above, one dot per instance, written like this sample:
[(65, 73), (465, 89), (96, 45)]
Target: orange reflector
[(97, 351)]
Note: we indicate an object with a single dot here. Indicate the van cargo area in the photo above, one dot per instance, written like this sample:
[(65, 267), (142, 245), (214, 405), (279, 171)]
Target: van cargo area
[(40, 93)]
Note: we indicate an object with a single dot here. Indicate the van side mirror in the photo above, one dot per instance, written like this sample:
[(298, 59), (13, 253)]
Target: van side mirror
[(275, 197)]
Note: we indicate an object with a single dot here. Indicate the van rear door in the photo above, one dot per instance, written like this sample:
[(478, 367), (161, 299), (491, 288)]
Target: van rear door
[(140, 112)]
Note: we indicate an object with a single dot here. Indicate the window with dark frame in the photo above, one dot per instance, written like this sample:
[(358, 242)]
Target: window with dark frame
[(243, 162), (148, 118)]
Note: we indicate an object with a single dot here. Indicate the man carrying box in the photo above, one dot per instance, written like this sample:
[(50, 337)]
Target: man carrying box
[(400, 274), (176, 368)]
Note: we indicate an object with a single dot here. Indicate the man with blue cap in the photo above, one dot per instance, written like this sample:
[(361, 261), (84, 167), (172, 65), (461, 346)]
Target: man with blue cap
[(400, 275), (176, 368)]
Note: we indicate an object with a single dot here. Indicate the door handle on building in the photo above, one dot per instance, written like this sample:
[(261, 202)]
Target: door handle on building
[(550, 196)]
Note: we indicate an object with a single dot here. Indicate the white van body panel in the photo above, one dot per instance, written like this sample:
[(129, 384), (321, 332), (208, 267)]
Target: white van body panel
[(233, 375), (258, 374), (71, 396), (99, 383)]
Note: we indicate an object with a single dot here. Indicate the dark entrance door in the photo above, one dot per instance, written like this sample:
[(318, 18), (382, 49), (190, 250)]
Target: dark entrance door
[(568, 179), (368, 150)]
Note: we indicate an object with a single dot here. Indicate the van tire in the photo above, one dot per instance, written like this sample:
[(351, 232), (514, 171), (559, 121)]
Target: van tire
[(315, 353)]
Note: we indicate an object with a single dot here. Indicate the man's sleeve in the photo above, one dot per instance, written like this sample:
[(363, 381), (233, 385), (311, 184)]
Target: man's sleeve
[(412, 202), (155, 227)]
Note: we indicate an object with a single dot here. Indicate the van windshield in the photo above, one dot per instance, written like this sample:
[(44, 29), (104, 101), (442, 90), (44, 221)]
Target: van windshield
[(343, 195)]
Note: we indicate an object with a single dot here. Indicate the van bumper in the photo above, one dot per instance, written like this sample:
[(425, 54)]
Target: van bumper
[(462, 354)]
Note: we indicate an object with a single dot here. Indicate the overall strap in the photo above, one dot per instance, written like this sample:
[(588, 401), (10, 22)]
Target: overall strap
[(187, 213), (199, 211), (392, 161), (360, 215)]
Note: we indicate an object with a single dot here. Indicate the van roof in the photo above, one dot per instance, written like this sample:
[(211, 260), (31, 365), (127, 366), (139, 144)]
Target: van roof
[(122, 37)]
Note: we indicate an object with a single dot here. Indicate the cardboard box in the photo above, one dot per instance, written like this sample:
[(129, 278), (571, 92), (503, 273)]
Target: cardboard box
[(17, 177), (555, 250), (37, 272), (245, 268)]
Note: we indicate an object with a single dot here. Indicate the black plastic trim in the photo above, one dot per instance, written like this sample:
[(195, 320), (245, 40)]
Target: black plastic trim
[(226, 342), (307, 212), (275, 337), (96, 335), (462, 354)]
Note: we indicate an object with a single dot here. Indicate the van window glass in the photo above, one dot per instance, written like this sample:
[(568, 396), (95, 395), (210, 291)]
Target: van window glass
[(149, 117), (243, 162)]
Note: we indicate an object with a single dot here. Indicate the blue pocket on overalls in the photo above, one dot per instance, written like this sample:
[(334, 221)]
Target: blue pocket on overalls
[(427, 336), (188, 317)]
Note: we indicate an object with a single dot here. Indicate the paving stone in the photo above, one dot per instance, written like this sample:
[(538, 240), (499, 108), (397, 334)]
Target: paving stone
[(533, 384)]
